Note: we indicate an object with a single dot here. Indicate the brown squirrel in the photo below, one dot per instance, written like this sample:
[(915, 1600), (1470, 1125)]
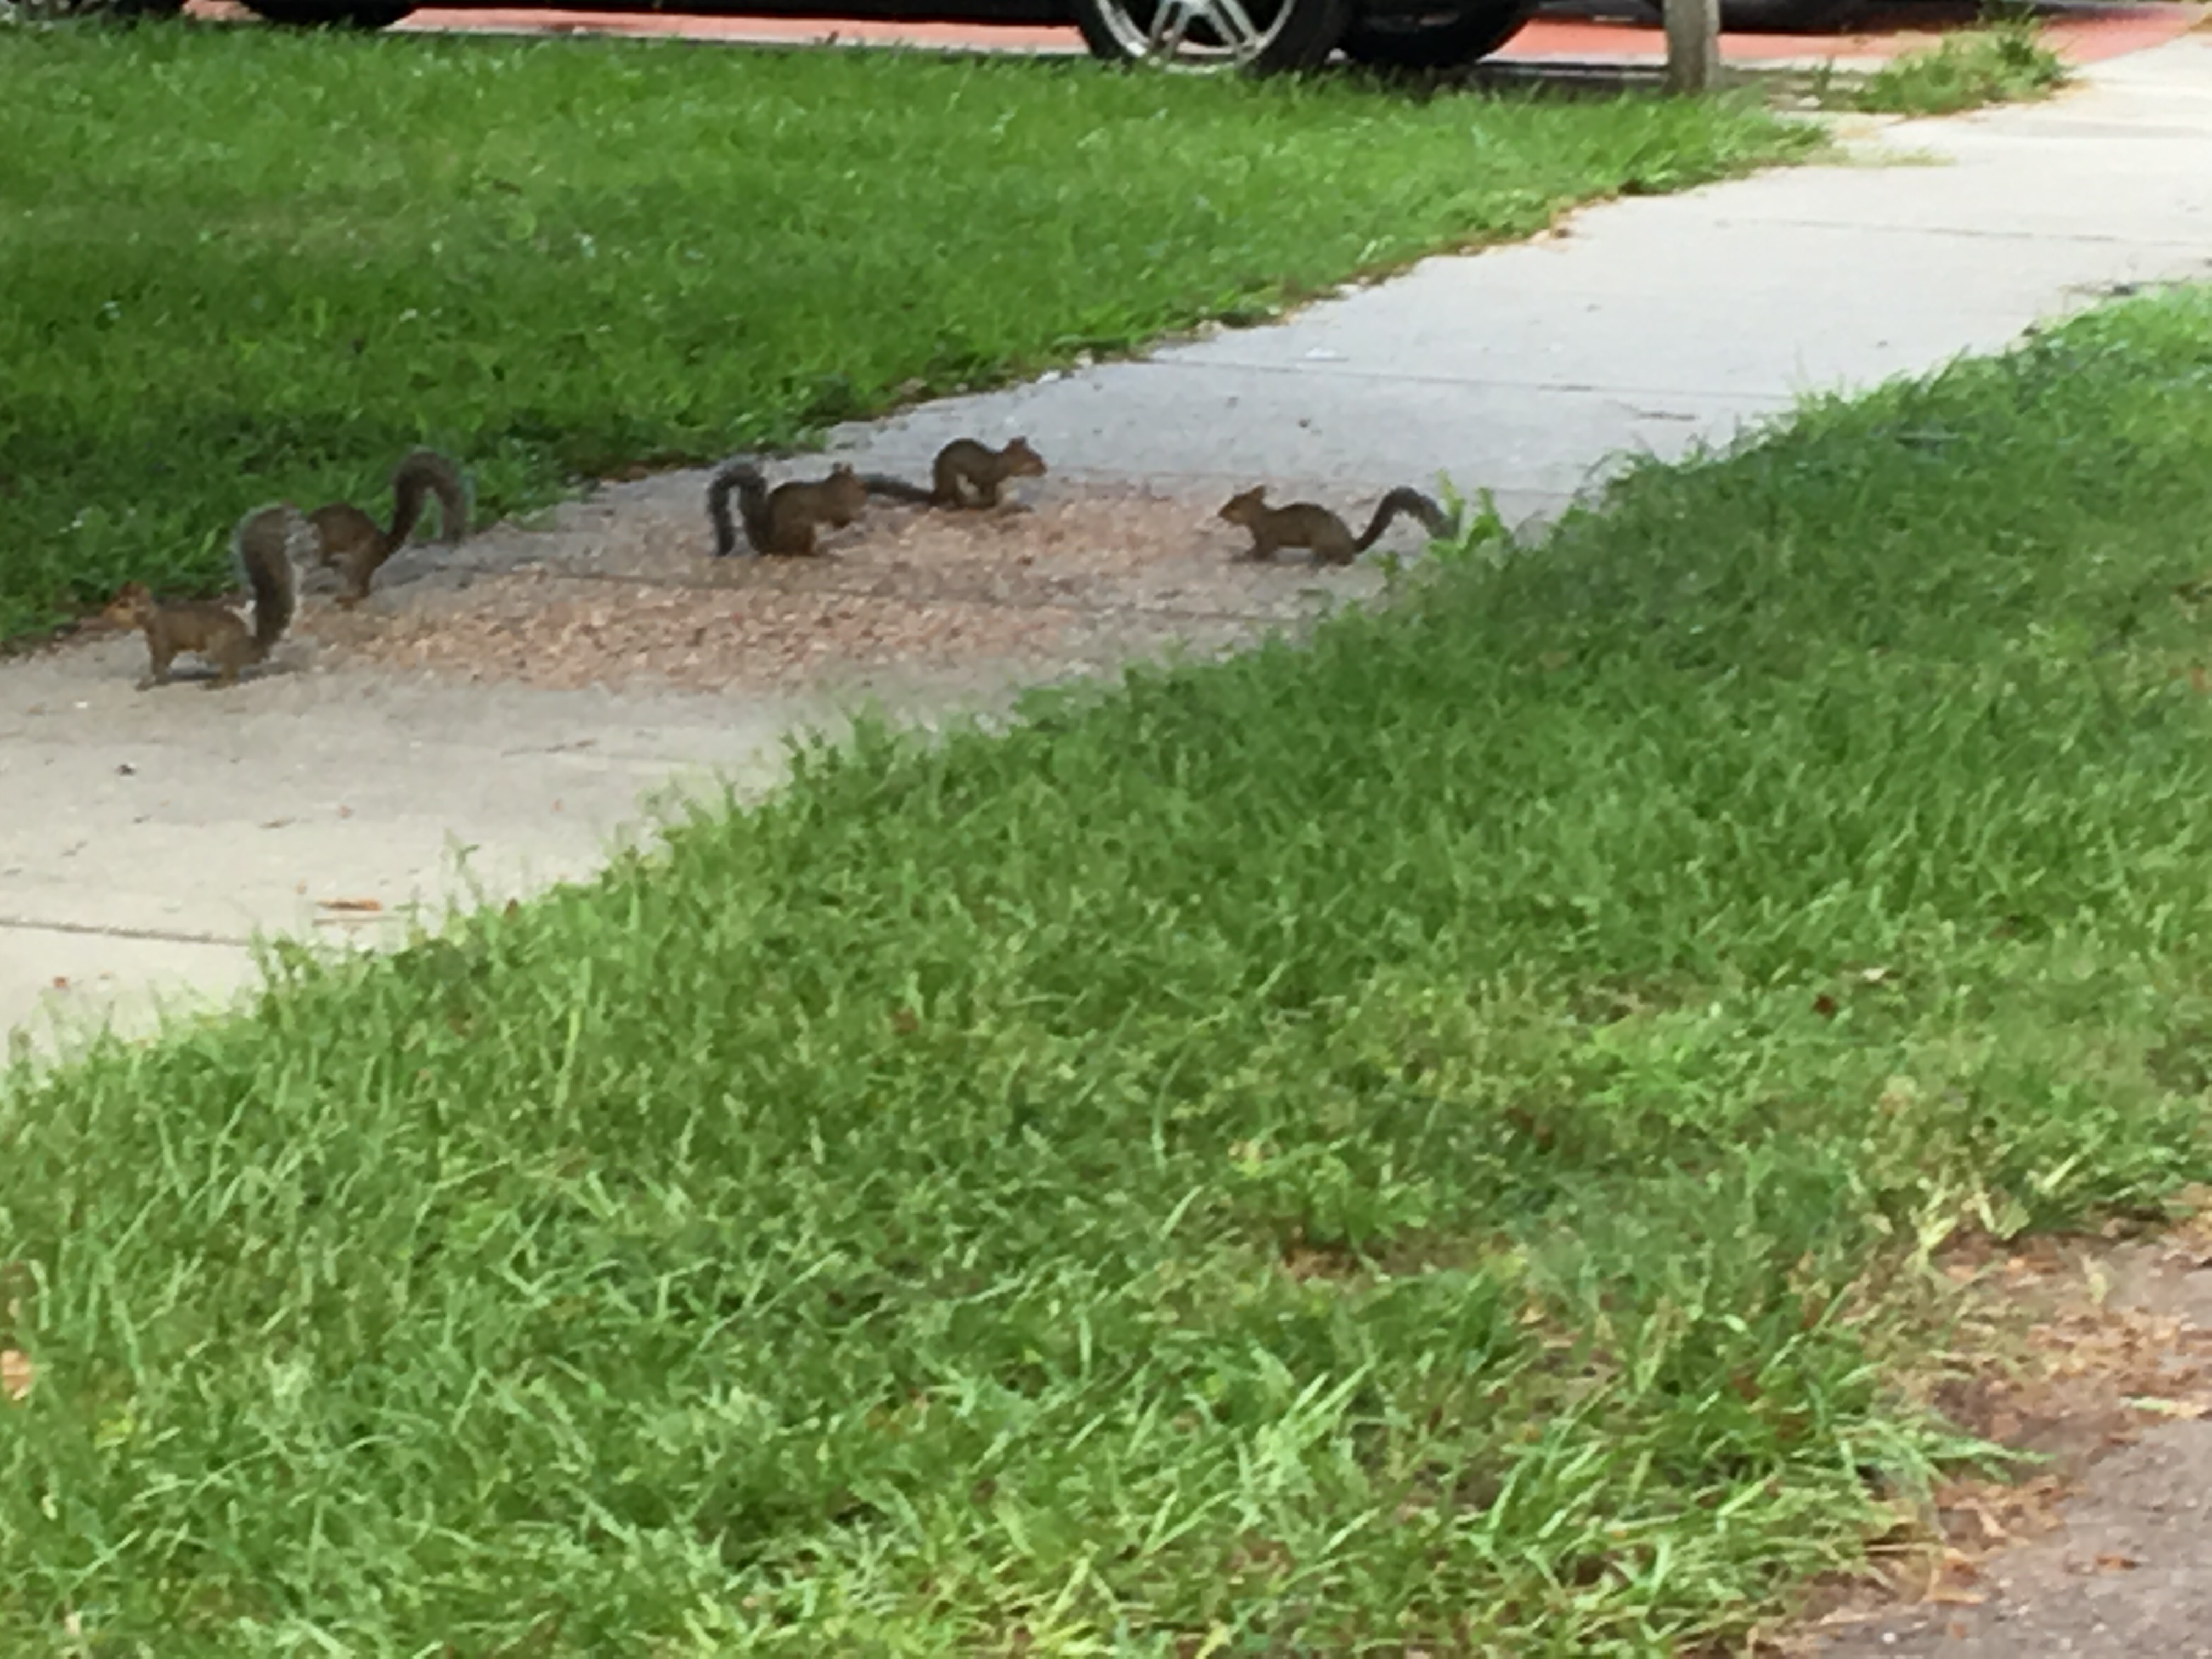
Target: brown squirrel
[(351, 541), (1304, 523), (964, 468), (780, 520), (265, 544)]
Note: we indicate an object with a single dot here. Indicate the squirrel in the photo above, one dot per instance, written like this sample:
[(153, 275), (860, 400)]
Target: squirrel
[(1304, 524), (964, 467), (351, 541), (782, 520), (264, 545)]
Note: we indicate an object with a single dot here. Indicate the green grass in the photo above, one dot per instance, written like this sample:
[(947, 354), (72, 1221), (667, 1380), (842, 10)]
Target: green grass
[(2003, 63), (1423, 1140), (240, 263)]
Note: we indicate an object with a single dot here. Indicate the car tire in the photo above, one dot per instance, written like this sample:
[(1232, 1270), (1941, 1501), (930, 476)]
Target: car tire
[(1441, 39), (328, 14), (1262, 37)]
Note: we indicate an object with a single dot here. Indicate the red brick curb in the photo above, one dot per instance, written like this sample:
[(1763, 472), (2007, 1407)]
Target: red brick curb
[(2080, 33)]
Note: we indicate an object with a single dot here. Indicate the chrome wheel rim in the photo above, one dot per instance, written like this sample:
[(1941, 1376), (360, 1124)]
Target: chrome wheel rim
[(1194, 34)]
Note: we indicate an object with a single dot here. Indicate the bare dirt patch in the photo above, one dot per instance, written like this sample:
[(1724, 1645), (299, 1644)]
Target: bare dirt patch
[(2094, 1357)]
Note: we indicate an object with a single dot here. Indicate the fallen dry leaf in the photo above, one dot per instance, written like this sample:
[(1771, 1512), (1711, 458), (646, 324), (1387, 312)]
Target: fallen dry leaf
[(2194, 1406), (17, 1373), (1944, 1595), (368, 904)]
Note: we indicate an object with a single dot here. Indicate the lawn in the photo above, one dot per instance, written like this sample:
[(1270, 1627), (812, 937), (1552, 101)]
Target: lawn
[(242, 265), (2005, 61), (1429, 1140)]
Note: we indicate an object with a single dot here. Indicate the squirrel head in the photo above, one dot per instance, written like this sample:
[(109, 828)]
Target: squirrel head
[(1022, 461), (846, 492), (1242, 509), (131, 601)]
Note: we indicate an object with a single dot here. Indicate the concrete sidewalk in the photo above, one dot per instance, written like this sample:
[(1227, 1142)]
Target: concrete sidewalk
[(1651, 322), (144, 838)]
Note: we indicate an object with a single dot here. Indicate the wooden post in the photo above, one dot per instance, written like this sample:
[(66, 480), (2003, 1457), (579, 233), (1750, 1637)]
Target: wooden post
[(1693, 46)]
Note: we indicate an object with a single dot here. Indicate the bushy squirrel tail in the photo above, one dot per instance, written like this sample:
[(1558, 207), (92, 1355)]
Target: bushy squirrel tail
[(267, 546), (1412, 502), (897, 489), (421, 474), (752, 488)]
